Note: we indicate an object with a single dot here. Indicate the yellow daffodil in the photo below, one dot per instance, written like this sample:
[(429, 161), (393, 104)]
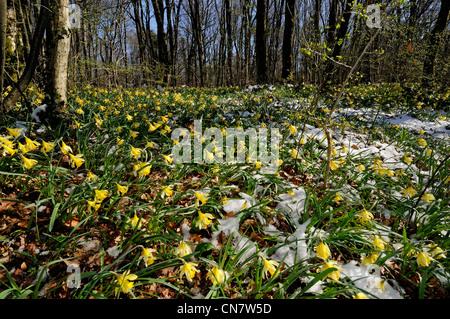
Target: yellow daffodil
[(100, 195), (200, 197), (76, 160), (422, 142), (8, 149), (423, 259), (428, 198), (370, 259), (183, 249), (14, 132), (125, 282), (147, 256), (437, 251), (270, 266), (47, 146), (378, 242), (409, 192), (429, 152), (168, 159), (94, 204), (30, 144), (364, 216), (323, 251), (408, 159), (421, 132), (135, 152), (334, 275), (91, 176), (188, 269), (135, 222), (133, 134), (216, 275), (360, 295), (334, 165), (142, 169), (292, 129), (337, 197), (119, 141), (65, 149), (121, 190), (28, 163), (204, 220), (167, 191), (360, 168)]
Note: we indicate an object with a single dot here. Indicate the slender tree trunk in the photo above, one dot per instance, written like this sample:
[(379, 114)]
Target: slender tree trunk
[(260, 42), (59, 46), (430, 58), (229, 42), (3, 21), (288, 38), (340, 35), (32, 61)]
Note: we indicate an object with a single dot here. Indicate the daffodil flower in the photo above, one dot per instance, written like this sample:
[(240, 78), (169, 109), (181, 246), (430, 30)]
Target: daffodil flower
[(168, 159), (423, 259), (334, 275), (216, 275), (270, 266), (142, 169), (28, 163), (147, 256), (200, 197), (323, 251), (91, 176), (30, 144), (188, 269), (370, 259), (94, 204), (65, 149), (428, 198), (135, 222), (135, 152), (121, 190), (9, 150), (378, 243), (422, 142), (167, 191), (204, 220), (76, 160), (125, 282), (360, 295), (334, 165), (47, 146), (14, 132), (364, 216), (437, 251), (100, 195), (409, 192), (360, 168), (183, 249)]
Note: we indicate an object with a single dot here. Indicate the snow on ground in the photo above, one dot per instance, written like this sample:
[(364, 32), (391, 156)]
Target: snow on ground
[(437, 129)]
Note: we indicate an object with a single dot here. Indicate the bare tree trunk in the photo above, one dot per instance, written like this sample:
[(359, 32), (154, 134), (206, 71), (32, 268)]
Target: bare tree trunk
[(60, 55), (288, 38), (32, 60), (260, 42), (430, 58), (229, 42), (2, 51)]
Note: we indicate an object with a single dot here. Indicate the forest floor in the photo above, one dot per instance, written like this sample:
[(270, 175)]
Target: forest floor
[(98, 208)]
